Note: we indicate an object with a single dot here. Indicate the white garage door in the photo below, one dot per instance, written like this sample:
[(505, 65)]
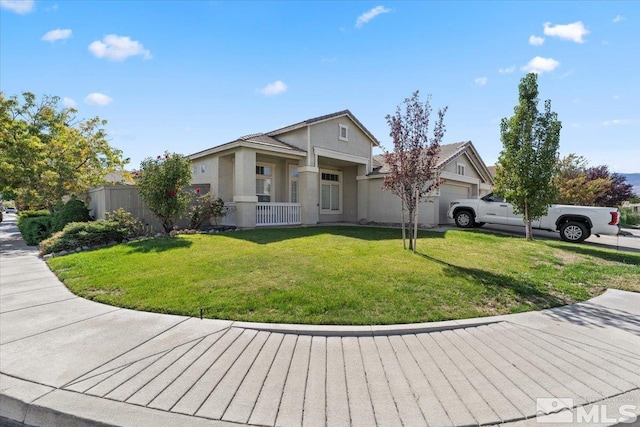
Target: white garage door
[(449, 192)]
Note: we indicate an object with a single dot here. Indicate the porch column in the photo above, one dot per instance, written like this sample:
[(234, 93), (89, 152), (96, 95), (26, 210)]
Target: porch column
[(244, 193), (363, 193), (309, 194)]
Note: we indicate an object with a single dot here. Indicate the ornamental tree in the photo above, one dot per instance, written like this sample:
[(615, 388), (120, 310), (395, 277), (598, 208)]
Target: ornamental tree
[(47, 153), (527, 164), (412, 162), (162, 183)]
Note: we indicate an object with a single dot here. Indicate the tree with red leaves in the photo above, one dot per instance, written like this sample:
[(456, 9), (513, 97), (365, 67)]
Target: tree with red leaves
[(412, 162)]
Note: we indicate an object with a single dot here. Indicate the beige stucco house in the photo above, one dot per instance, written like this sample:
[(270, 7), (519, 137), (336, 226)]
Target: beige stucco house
[(323, 170)]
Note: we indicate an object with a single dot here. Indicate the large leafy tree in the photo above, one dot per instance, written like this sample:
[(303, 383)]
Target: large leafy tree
[(412, 162), (579, 184), (47, 153), (527, 164), (162, 183)]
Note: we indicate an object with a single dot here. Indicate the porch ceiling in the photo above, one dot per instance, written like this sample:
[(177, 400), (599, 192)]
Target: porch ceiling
[(328, 161)]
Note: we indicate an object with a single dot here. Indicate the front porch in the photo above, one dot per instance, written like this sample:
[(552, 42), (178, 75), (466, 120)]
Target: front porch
[(268, 214)]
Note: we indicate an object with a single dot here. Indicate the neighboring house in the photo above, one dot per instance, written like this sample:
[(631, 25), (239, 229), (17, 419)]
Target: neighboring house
[(322, 170)]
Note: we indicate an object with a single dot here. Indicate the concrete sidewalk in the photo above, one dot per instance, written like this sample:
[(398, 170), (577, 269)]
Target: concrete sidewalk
[(66, 361)]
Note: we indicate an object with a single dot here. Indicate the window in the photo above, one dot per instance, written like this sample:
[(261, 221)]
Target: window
[(460, 168), (264, 181), (331, 192), (203, 168), (344, 133), (293, 184)]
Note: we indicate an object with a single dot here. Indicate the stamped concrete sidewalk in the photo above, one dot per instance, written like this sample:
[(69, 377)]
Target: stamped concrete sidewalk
[(68, 361)]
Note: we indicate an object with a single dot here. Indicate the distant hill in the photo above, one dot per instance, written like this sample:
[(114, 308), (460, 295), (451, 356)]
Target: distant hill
[(633, 179)]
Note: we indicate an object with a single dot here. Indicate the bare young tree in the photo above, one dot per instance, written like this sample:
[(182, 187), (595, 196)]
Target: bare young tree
[(412, 162)]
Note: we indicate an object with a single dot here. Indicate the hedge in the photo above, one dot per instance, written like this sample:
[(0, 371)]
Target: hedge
[(79, 234)]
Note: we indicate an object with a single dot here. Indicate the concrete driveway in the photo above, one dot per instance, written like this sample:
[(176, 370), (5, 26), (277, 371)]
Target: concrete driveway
[(66, 361), (625, 243)]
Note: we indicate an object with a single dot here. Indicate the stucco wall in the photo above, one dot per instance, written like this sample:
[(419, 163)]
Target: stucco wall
[(385, 207), (470, 171)]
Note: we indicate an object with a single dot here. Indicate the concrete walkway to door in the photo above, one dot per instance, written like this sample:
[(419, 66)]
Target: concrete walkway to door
[(69, 361)]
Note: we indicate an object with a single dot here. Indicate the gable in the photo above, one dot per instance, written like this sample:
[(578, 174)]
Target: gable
[(463, 153)]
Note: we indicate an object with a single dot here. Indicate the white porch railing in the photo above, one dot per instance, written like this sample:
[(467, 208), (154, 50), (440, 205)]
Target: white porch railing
[(278, 214)]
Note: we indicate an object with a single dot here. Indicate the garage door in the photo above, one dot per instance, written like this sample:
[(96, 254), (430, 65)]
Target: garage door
[(449, 192)]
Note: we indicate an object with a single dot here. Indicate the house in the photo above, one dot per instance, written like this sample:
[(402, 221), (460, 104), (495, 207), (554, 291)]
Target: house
[(323, 170)]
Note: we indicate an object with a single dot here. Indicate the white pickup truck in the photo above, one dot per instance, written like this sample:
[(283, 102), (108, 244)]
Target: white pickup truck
[(575, 223)]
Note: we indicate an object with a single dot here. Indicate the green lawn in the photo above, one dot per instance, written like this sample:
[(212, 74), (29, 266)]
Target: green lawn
[(345, 275)]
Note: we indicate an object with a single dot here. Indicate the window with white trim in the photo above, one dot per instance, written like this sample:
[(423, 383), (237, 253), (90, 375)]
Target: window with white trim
[(460, 168), (343, 134), (264, 182), (203, 168), (293, 184), (331, 192)]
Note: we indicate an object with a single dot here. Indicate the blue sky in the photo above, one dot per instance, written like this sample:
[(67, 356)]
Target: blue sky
[(188, 75)]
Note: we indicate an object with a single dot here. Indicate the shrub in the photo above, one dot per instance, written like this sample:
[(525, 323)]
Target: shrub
[(161, 182), (78, 234), (134, 226), (628, 217), (31, 214), (205, 207), (73, 211), (35, 229)]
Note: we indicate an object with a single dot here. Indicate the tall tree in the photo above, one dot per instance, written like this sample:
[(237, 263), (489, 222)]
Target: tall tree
[(47, 153), (412, 162), (162, 183), (527, 163)]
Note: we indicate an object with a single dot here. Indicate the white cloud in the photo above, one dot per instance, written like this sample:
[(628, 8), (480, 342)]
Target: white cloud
[(328, 60), (618, 18), (118, 48), (58, 34), (481, 81), (18, 6), (536, 41), (540, 65), (274, 88), (616, 122), (573, 32), (96, 98), (507, 70), (616, 97), (69, 103), (369, 15)]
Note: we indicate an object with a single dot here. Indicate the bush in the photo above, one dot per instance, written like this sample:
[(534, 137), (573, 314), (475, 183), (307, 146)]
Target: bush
[(35, 229), (32, 214), (134, 226), (73, 211), (78, 234), (628, 217), (206, 206)]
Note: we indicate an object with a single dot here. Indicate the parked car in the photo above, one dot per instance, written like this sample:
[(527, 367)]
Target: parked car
[(575, 223), (11, 209), (0, 215)]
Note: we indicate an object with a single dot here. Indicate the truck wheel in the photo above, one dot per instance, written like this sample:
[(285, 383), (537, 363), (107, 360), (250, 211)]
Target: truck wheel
[(464, 219), (573, 232)]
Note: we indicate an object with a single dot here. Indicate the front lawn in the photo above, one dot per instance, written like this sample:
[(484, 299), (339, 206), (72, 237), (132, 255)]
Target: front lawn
[(345, 275)]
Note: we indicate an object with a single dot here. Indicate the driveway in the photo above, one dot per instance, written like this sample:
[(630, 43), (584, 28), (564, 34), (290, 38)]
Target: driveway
[(69, 361), (625, 243)]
